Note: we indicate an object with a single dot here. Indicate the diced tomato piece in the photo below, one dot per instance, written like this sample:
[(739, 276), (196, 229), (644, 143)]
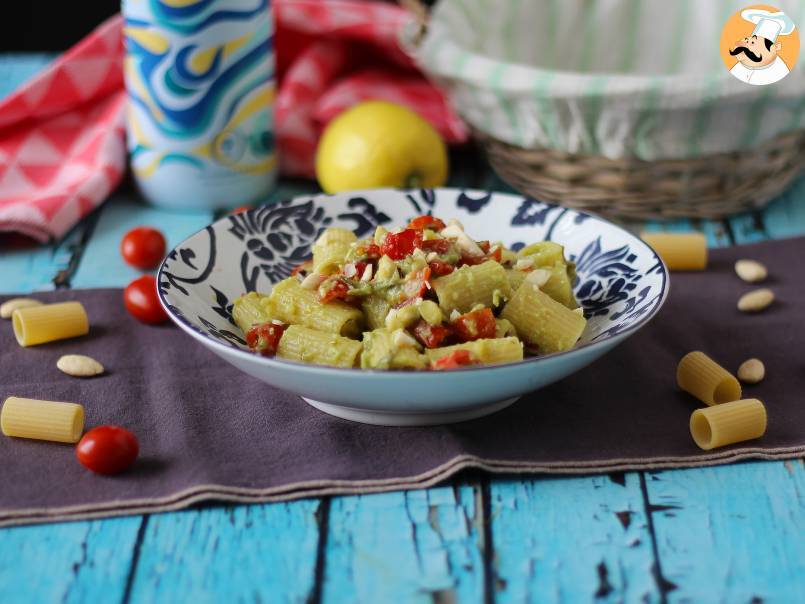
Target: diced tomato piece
[(305, 266), (426, 222), (439, 268), (440, 246), (475, 325), (497, 255), (400, 245), (454, 360), (338, 290), (431, 336), (265, 338), (369, 252), (417, 283), (484, 245), (473, 260)]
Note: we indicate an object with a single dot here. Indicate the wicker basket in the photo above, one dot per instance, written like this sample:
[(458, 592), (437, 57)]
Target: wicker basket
[(708, 186)]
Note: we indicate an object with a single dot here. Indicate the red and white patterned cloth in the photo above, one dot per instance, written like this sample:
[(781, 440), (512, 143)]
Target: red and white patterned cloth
[(62, 145)]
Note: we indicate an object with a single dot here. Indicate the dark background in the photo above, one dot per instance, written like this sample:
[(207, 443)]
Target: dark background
[(54, 25), (50, 25)]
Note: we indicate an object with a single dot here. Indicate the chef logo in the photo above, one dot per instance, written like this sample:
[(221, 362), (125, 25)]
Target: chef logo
[(760, 45)]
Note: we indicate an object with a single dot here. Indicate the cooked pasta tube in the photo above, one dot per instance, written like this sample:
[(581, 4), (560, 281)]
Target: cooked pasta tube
[(515, 277), (705, 379), (504, 329), (729, 423), (380, 352), (310, 346), (42, 420), (559, 288), (485, 284), (375, 309), (291, 303), (679, 251), (248, 311), (49, 322), (331, 248), (487, 351), (542, 321)]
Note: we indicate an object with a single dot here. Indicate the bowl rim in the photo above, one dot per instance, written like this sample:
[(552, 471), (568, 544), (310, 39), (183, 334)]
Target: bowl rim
[(272, 362)]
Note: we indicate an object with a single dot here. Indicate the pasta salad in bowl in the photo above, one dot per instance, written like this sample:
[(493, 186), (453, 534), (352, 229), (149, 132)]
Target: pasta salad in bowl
[(411, 307)]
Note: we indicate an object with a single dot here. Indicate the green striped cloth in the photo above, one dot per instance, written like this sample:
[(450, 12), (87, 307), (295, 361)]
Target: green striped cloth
[(618, 78)]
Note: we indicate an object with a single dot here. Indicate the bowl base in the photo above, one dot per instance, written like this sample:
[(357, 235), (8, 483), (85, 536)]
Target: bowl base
[(386, 418)]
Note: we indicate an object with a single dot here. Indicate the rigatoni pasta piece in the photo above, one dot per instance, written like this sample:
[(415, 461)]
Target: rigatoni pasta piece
[(487, 351), (49, 322), (485, 284), (515, 277), (705, 379), (42, 420), (558, 286), (331, 248), (380, 352), (543, 322), (543, 254), (679, 251), (310, 346), (291, 303), (728, 423), (504, 329), (375, 309), (249, 310)]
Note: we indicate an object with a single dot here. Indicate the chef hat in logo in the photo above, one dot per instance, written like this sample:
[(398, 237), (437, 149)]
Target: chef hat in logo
[(768, 25)]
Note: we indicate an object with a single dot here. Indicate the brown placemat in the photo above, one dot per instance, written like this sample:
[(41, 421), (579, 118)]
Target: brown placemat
[(209, 432)]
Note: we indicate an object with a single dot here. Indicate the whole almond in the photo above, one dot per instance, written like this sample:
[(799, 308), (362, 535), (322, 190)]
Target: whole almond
[(9, 306), (751, 371), (751, 271), (79, 365), (756, 300)]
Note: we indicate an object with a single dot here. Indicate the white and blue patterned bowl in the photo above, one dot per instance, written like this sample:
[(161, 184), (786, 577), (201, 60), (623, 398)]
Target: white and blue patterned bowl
[(622, 283)]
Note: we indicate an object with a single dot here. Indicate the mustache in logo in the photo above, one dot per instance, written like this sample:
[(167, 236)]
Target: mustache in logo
[(743, 49)]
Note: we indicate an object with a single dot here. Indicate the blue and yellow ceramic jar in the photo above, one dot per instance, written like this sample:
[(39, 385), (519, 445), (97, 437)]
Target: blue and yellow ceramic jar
[(201, 83)]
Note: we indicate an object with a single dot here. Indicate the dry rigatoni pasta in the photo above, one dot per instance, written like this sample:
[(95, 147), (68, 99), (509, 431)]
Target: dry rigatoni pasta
[(482, 284), (679, 251), (728, 423), (487, 351), (42, 420), (291, 303), (330, 249), (49, 322), (319, 348), (543, 322), (705, 379)]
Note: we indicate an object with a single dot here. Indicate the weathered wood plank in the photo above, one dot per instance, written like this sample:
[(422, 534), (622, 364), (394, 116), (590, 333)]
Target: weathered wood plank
[(785, 217), (34, 267), (70, 562), (246, 553), (101, 264), (415, 546), (732, 533), (572, 540)]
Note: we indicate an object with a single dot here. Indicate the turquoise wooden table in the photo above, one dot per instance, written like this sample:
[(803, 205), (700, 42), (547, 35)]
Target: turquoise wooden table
[(724, 534)]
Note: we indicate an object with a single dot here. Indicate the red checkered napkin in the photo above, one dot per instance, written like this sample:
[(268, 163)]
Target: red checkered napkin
[(62, 134)]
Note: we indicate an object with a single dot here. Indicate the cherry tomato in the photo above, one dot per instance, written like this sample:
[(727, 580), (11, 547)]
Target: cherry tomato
[(338, 290), (265, 338), (431, 336), (458, 358), (439, 268), (143, 247), (107, 449), (399, 245), (440, 246), (426, 222), (475, 325), (142, 302)]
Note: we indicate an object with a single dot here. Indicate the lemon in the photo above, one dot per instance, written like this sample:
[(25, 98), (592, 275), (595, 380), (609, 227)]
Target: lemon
[(380, 144)]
